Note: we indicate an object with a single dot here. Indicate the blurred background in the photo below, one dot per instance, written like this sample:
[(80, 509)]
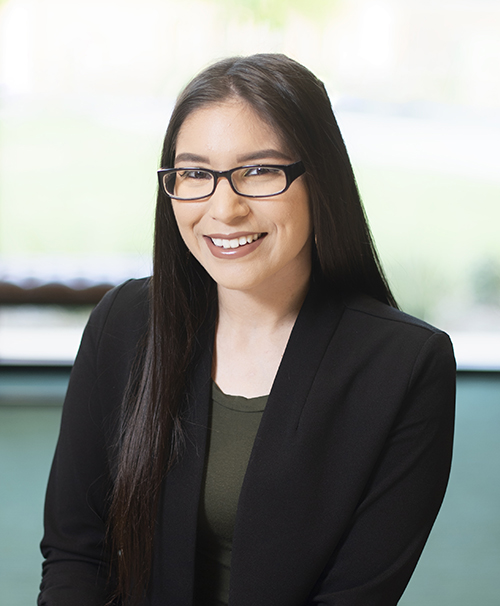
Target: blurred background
[(86, 90)]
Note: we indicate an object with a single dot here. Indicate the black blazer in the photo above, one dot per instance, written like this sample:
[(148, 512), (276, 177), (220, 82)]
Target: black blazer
[(345, 479)]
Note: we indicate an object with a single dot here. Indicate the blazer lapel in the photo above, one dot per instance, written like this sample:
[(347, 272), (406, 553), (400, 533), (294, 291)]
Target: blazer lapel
[(269, 507)]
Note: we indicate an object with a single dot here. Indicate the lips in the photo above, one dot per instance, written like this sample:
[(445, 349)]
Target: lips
[(235, 242), (234, 246)]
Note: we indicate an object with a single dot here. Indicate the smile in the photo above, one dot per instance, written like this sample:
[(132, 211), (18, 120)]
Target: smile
[(235, 242)]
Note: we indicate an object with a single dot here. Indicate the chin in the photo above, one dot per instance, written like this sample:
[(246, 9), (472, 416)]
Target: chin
[(236, 284)]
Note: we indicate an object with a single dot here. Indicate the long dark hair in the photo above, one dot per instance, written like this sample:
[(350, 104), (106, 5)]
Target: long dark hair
[(295, 104)]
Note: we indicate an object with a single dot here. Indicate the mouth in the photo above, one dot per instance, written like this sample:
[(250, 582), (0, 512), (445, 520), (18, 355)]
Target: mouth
[(236, 242)]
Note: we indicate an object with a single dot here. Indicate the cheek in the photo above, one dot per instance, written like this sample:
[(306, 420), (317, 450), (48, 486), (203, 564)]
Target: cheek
[(185, 230), (186, 221), (302, 208), (302, 217)]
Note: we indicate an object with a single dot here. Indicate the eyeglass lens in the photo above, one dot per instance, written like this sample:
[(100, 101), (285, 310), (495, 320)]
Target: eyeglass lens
[(251, 181)]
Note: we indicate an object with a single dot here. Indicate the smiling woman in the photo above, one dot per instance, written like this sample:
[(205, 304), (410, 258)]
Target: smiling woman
[(277, 259), (257, 424)]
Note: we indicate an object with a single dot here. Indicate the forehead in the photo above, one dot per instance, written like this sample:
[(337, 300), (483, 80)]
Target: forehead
[(232, 126)]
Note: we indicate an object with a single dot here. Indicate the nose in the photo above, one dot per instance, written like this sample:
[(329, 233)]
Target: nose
[(225, 204)]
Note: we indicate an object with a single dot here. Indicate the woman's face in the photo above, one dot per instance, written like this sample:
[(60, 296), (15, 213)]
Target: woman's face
[(274, 234)]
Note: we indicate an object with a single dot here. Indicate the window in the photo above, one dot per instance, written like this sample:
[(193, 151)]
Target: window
[(87, 90)]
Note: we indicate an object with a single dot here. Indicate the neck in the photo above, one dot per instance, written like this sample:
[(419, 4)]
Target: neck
[(253, 329), (263, 310), (252, 333)]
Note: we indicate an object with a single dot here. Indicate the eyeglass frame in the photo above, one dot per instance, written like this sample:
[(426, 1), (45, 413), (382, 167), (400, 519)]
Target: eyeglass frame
[(292, 172)]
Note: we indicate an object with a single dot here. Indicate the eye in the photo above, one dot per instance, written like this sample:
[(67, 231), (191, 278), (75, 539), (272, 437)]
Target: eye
[(194, 174), (261, 171)]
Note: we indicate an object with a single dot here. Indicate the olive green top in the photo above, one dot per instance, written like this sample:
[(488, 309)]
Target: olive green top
[(233, 424)]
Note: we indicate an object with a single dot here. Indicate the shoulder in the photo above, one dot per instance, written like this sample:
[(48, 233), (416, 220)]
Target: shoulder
[(394, 337), (374, 360), (371, 311), (357, 339), (127, 304), (359, 325), (118, 322), (368, 333), (129, 295)]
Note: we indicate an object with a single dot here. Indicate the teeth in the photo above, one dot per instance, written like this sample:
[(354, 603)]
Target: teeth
[(235, 242)]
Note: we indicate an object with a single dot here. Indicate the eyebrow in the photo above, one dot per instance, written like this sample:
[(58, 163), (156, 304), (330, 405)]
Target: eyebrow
[(257, 155), (264, 153), (187, 157)]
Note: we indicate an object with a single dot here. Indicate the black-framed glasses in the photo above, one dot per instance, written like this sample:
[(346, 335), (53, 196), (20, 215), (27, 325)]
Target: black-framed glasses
[(253, 181)]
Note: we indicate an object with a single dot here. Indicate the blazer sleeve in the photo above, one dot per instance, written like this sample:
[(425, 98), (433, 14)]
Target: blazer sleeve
[(380, 549), (75, 570)]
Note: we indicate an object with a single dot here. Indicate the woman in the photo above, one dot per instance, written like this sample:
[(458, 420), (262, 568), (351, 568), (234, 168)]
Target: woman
[(257, 424)]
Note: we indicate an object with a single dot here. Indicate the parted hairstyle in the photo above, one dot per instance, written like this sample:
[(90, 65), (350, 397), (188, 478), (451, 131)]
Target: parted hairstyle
[(292, 101)]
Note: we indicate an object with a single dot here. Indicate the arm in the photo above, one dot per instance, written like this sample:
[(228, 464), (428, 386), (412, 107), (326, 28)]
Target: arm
[(380, 549), (76, 569)]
